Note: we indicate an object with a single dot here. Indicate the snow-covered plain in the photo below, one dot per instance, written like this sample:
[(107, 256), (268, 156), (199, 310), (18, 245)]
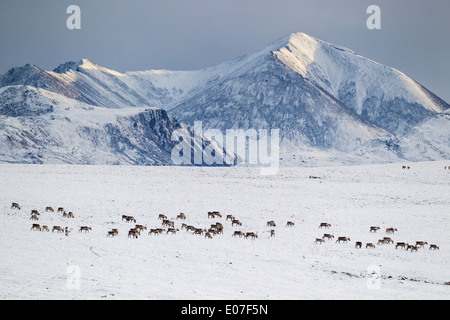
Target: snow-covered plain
[(47, 265)]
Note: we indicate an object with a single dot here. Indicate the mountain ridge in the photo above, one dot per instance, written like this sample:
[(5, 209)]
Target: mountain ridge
[(324, 98)]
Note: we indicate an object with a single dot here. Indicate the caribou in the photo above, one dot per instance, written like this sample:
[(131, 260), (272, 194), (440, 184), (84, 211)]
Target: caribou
[(133, 233), (85, 229), (238, 233), (199, 231), (237, 222), (391, 230), (168, 223), (421, 243), (251, 234), (343, 239), (324, 225), (388, 240), (112, 233), (271, 224), (208, 235), (15, 205), (140, 227), (58, 229), (181, 216), (403, 245), (130, 219), (156, 231), (172, 230)]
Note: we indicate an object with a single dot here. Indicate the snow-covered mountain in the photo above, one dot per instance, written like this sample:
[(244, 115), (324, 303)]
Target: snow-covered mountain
[(330, 104), (321, 97), (39, 126), (383, 95), (83, 81), (427, 141)]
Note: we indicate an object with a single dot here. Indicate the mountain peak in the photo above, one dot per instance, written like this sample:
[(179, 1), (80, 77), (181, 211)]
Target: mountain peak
[(301, 35), (303, 39), (67, 66), (20, 75), (75, 66), (83, 65), (297, 52), (88, 64), (20, 70)]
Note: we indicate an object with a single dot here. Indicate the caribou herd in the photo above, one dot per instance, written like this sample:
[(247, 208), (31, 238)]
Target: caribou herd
[(217, 228), (383, 241)]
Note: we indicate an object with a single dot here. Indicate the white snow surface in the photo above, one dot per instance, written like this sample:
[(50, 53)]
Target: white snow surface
[(46, 265)]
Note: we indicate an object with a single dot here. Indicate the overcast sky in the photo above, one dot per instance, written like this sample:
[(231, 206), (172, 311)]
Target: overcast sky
[(192, 34)]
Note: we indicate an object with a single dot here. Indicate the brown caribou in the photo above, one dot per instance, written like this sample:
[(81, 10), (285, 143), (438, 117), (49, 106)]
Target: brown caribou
[(342, 239), (85, 229), (271, 224), (15, 205)]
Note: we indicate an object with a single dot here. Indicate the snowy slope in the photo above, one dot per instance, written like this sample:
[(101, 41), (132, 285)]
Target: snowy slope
[(46, 265), (83, 81), (99, 85), (271, 96), (381, 94), (39, 126), (427, 141)]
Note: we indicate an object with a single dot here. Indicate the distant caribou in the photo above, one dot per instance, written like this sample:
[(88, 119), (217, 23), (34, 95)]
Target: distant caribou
[(324, 225)]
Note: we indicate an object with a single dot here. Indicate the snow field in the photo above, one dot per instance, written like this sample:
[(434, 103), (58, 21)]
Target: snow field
[(46, 265)]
